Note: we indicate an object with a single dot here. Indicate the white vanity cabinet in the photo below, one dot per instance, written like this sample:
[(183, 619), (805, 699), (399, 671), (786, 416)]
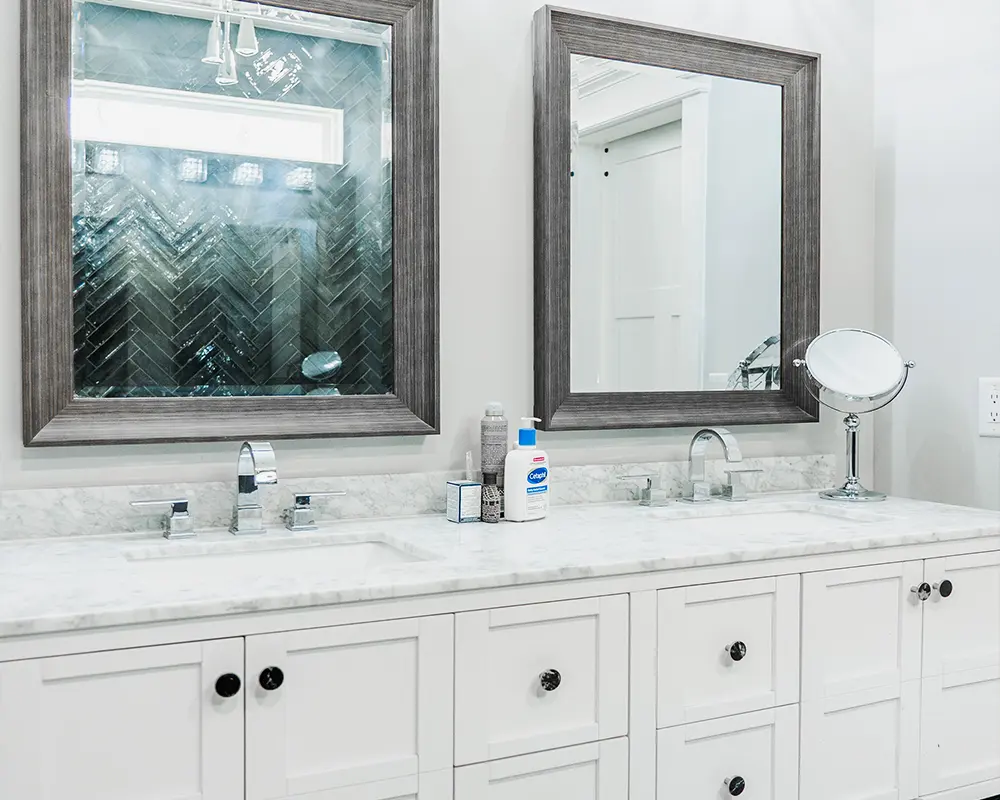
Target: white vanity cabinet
[(142, 724), (901, 680)]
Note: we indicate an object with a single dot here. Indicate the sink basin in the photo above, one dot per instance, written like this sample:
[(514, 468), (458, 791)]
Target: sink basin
[(787, 518), (275, 554)]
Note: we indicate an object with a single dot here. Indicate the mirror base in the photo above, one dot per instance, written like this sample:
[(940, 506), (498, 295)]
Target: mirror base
[(853, 494)]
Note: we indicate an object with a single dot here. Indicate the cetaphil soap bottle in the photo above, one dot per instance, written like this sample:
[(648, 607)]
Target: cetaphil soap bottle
[(526, 477)]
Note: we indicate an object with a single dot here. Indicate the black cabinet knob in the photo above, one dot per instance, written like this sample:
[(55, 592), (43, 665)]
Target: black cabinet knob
[(736, 785), (944, 588), (737, 651), (271, 679), (550, 680), (923, 591), (228, 685)]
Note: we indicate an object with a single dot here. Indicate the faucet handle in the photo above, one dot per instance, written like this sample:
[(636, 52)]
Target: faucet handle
[(735, 491), (646, 491), (178, 523), (302, 516)]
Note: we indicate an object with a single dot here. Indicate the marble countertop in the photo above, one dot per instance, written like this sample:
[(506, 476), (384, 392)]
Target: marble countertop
[(60, 584)]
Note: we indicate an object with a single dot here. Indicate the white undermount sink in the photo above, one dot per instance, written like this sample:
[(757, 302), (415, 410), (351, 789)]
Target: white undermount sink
[(768, 518), (282, 551)]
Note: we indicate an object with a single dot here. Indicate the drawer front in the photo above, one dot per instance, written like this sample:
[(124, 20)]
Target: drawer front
[(861, 629), (358, 705), (758, 752), (960, 731), (862, 745), (502, 705), (962, 630), (726, 649), (597, 771)]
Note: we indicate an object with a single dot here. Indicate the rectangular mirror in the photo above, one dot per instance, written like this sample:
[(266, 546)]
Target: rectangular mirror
[(676, 226), (242, 238)]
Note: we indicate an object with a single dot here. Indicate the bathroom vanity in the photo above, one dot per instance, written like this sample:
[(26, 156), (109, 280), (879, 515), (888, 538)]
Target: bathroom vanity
[(779, 648)]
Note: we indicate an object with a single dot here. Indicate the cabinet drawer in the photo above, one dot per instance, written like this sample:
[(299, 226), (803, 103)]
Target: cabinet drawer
[(503, 707), (727, 648), (862, 745), (597, 771), (357, 705), (758, 752)]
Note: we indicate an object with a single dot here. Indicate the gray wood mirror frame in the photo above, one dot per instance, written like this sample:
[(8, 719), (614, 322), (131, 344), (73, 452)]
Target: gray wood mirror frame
[(561, 37), (55, 411)]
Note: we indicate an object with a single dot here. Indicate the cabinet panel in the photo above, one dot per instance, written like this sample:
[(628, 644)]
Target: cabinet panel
[(760, 749), (962, 630), (358, 705), (502, 706), (960, 730), (861, 629), (862, 746), (596, 771), (123, 725), (429, 786), (698, 677)]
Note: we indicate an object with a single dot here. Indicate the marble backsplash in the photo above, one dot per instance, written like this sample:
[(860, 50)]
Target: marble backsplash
[(34, 513)]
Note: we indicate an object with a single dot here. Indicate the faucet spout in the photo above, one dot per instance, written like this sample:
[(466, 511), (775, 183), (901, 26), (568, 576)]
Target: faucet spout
[(256, 467), (700, 488)]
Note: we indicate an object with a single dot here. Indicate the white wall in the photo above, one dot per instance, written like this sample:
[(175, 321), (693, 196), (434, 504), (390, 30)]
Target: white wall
[(486, 251), (938, 249)]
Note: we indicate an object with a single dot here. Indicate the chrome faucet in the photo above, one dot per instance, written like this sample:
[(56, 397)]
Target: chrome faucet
[(701, 489), (256, 467)]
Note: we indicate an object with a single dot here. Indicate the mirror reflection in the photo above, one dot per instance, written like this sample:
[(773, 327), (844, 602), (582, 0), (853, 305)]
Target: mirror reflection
[(676, 230), (232, 200)]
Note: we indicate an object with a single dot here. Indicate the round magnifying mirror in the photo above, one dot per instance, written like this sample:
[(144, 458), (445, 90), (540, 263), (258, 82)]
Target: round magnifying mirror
[(856, 364)]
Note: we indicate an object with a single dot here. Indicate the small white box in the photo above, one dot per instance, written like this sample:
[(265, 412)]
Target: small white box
[(465, 499)]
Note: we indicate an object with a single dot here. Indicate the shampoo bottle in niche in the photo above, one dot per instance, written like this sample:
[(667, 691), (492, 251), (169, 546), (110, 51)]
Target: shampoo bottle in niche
[(526, 477)]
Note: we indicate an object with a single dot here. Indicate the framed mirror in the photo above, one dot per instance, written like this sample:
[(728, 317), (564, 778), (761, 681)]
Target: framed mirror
[(229, 219), (677, 195)]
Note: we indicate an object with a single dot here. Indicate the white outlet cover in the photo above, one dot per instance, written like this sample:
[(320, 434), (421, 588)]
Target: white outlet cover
[(989, 407)]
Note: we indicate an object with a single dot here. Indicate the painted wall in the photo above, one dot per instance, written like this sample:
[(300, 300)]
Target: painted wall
[(938, 247), (486, 245)]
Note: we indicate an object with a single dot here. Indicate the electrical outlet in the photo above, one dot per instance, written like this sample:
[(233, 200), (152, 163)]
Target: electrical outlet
[(989, 406)]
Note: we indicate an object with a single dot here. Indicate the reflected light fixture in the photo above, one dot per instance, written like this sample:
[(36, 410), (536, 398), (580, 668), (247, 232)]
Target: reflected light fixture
[(248, 174), (227, 71), (213, 53), (246, 42)]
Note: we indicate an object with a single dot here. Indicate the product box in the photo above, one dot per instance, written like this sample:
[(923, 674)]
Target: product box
[(464, 501)]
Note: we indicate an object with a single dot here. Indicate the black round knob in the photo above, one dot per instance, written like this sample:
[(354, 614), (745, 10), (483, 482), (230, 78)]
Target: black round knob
[(923, 591), (228, 685), (736, 785), (945, 588), (737, 651), (271, 679), (550, 680)]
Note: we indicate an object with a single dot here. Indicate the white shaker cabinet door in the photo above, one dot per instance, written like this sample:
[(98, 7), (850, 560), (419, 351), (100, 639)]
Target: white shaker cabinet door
[(429, 786), (962, 614), (752, 756), (596, 771), (862, 746), (861, 629), (538, 677), (352, 706), (727, 648), (142, 724), (960, 733)]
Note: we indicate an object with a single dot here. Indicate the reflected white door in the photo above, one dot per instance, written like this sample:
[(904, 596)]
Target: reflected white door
[(653, 320)]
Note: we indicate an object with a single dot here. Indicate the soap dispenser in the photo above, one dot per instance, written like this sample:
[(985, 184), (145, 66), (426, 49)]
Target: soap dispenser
[(526, 477)]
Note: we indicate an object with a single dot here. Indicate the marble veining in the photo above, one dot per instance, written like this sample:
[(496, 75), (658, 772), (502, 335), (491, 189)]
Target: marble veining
[(58, 584), (34, 513)]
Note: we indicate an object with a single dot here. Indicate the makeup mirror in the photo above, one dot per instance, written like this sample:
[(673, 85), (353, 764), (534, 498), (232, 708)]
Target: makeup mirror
[(855, 372)]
